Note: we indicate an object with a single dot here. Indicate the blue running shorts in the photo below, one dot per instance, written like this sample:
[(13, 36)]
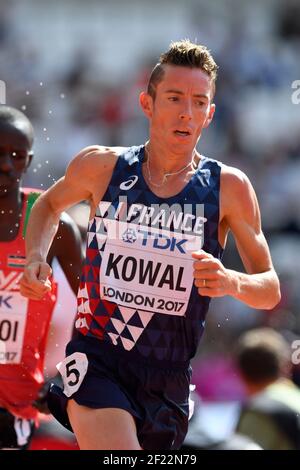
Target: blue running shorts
[(156, 394)]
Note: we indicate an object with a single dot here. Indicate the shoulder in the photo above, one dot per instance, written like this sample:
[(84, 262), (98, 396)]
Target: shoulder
[(237, 193), (30, 195), (92, 160), (233, 178), (28, 191), (235, 183)]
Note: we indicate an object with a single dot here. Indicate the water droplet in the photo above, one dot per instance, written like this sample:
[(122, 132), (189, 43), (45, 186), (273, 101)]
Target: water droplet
[(39, 165), (45, 129), (34, 170), (41, 83), (62, 95), (42, 184), (48, 138), (23, 107), (2, 212), (49, 176), (47, 161), (50, 111), (27, 92)]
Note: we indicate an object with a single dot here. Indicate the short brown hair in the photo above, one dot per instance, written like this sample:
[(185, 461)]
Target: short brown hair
[(185, 54), (262, 355)]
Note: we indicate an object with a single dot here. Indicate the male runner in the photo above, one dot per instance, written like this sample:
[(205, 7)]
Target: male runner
[(24, 323), (160, 215)]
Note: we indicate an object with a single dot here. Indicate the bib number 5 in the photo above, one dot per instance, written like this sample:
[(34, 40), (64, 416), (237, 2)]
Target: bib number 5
[(73, 369)]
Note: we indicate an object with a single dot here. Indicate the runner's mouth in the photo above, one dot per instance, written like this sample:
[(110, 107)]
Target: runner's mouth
[(182, 133)]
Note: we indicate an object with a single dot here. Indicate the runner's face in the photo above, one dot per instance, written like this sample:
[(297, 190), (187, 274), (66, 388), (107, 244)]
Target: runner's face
[(182, 108), (15, 156)]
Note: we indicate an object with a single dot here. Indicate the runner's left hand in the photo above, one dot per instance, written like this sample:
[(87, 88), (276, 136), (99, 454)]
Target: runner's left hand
[(211, 277)]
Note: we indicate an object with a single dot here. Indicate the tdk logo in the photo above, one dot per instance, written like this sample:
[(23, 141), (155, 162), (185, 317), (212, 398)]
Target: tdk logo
[(161, 241), (129, 236)]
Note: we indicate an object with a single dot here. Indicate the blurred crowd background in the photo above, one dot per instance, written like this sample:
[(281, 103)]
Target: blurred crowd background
[(76, 69)]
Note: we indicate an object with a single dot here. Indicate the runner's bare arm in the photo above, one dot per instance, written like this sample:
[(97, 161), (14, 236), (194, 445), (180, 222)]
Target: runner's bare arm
[(259, 287), (86, 178)]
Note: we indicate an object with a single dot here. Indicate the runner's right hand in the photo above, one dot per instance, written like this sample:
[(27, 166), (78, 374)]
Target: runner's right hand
[(35, 282)]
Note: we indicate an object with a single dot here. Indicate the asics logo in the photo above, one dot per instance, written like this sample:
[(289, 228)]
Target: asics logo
[(125, 185)]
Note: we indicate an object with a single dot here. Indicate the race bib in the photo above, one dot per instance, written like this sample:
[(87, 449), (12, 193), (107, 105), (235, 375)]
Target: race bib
[(73, 369), (13, 314), (147, 268)]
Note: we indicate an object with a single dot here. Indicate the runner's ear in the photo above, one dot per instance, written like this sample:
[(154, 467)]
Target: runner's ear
[(29, 159), (146, 103)]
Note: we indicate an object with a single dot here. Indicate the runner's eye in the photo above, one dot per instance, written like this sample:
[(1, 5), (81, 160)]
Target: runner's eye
[(19, 155)]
